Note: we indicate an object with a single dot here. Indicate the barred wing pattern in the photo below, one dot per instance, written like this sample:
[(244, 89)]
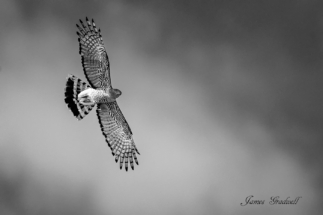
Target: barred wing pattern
[(95, 60), (117, 133)]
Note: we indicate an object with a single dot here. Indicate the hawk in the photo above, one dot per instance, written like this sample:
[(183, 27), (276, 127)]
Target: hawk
[(81, 97)]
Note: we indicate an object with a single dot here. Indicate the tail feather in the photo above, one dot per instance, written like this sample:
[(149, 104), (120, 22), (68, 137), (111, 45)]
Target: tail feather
[(74, 86)]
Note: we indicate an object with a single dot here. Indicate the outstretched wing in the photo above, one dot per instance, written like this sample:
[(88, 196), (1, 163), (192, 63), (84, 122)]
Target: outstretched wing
[(95, 60), (117, 133)]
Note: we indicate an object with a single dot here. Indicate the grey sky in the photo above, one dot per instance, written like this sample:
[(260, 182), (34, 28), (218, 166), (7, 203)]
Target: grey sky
[(223, 97)]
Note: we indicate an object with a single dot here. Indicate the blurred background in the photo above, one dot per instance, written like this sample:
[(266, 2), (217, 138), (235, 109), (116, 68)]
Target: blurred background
[(223, 97)]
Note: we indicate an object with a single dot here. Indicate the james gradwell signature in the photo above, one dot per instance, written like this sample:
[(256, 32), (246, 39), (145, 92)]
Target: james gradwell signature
[(274, 200)]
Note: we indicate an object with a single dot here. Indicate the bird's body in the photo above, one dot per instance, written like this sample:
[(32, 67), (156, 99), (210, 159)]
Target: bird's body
[(81, 97), (97, 96)]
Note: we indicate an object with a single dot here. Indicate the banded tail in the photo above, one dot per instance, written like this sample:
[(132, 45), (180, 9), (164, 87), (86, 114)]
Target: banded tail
[(74, 86)]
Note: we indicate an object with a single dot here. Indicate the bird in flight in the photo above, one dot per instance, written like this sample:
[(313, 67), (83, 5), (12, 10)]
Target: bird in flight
[(81, 97)]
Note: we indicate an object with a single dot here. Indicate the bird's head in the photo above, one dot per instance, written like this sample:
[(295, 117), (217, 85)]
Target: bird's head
[(85, 97), (115, 93)]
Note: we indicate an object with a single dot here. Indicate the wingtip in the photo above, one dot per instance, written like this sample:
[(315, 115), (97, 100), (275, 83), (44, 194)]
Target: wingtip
[(137, 150)]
